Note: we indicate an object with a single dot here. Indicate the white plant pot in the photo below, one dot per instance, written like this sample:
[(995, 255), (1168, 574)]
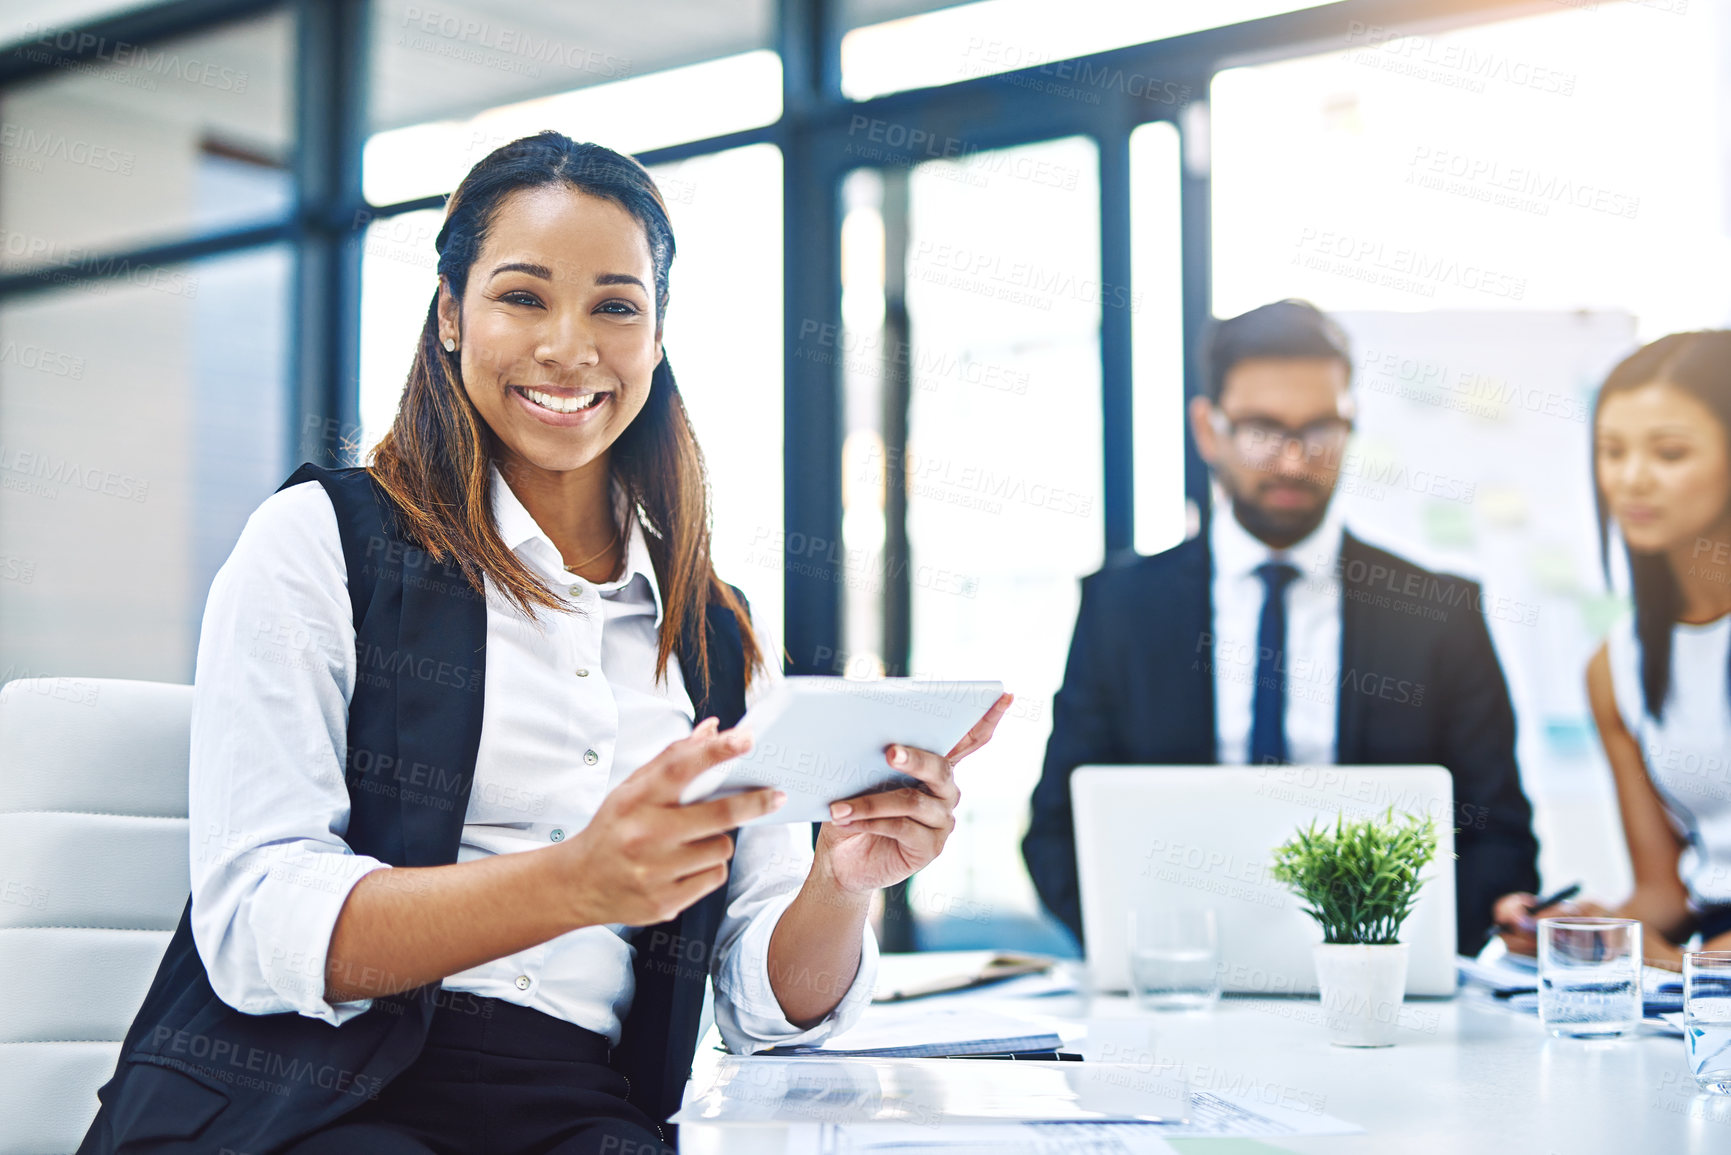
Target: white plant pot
[(1362, 990)]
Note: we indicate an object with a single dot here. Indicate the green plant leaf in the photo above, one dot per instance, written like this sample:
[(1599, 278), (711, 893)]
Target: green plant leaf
[(1361, 878)]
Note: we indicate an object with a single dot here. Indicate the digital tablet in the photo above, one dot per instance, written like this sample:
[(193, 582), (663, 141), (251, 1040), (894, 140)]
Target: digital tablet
[(823, 739)]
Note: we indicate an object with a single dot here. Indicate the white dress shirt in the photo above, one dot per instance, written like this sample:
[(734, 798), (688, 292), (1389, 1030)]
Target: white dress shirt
[(1312, 659), (1688, 752), (571, 709)]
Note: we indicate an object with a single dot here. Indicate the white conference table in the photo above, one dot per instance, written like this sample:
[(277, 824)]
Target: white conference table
[(1466, 1076)]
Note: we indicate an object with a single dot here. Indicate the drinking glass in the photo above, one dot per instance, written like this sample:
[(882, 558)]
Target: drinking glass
[(1589, 976), (1174, 959), (1707, 1017)]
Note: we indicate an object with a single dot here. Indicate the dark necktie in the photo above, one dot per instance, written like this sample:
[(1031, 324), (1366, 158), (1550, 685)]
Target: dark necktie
[(1268, 706)]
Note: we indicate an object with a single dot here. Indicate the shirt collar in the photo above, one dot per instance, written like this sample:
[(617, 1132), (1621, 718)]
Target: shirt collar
[(1237, 554), (523, 535)]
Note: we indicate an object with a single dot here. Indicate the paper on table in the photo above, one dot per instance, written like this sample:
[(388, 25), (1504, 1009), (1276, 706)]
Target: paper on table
[(922, 974), (1245, 1110), (1211, 1117), (930, 1092), (919, 1029), (1495, 973), (1024, 987), (899, 969), (1518, 972), (986, 1139)]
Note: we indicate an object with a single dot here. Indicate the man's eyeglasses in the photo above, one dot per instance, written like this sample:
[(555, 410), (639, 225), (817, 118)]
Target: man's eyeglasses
[(1259, 441)]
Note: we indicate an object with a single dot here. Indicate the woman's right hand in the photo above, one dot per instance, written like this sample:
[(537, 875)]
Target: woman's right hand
[(1518, 923), (645, 857)]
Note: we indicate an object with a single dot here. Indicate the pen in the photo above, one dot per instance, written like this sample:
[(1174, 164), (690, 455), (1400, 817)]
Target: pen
[(1538, 904), (1550, 900)]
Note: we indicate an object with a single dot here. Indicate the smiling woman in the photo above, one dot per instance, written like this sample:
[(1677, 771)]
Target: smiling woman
[(445, 709), (553, 286)]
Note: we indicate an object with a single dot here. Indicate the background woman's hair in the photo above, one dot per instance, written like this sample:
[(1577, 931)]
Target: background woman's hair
[(434, 462), (1700, 365)]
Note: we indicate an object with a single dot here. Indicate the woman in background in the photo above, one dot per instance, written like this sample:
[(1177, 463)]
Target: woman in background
[(1660, 686)]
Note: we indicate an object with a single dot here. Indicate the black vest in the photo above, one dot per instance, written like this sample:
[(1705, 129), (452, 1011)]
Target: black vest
[(196, 1076)]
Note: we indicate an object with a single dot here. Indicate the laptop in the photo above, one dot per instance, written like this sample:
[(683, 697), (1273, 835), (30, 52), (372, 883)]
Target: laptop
[(1184, 837)]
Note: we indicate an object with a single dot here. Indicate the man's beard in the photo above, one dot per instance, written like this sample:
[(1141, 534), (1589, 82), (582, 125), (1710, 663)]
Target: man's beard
[(1280, 528)]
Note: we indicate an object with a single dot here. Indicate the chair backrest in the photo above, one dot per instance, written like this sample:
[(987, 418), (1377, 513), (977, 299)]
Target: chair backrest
[(93, 877)]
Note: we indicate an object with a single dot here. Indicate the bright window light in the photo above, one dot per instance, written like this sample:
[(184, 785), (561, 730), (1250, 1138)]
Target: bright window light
[(996, 36), (399, 275), (1502, 167), (631, 116), (724, 338), (1157, 319)]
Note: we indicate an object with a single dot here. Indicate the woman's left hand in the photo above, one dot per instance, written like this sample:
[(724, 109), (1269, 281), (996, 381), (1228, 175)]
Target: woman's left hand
[(876, 840)]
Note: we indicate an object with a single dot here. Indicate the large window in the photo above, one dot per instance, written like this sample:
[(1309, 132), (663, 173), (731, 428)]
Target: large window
[(1163, 516), (724, 339), (143, 409), (1496, 218), (958, 42), (399, 275), (1003, 475), (632, 115), (1506, 167), (143, 421), (448, 62), (149, 144), (933, 329)]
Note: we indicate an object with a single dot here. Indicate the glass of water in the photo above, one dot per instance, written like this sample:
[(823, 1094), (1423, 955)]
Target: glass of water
[(1590, 976), (1707, 1017), (1174, 959)]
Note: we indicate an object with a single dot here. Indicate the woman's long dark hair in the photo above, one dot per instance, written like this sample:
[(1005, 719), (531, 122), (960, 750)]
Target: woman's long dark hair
[(1700, 365), (435, 461)]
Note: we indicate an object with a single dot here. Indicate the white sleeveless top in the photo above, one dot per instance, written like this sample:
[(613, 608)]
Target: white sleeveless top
[(1688, 755)]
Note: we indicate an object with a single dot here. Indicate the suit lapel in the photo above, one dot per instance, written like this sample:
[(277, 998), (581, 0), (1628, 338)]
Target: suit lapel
[(1206, 735), (1355, 639), (1177, 659)]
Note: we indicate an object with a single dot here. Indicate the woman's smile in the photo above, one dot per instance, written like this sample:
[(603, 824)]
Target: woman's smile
[(562, 407)]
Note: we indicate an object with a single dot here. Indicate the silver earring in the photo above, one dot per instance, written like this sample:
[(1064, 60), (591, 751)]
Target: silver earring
[(450, 344)]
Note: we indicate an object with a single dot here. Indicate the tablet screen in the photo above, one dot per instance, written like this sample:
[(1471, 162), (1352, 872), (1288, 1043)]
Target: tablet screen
[(823, 739)]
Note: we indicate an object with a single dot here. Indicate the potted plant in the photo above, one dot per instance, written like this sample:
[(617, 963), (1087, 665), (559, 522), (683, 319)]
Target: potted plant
[(1360, 880)]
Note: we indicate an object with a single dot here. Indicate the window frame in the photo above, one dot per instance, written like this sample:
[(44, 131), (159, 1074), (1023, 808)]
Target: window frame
[(817, 133)]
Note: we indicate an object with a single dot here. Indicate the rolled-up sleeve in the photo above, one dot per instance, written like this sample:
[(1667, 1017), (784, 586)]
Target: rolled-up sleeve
[(267, 803), (770, 864)]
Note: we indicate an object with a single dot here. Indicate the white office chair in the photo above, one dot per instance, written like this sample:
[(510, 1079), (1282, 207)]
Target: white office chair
[(93, 877)]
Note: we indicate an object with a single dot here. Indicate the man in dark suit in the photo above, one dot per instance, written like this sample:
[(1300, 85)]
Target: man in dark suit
[(1278, 637)]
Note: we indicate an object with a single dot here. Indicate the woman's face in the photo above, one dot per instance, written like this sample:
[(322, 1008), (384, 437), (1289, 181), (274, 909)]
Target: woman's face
[(1663, 466), (557, 331)]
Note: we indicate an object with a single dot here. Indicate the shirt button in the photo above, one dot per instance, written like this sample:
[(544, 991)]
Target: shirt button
[(590, 757), (522, 982), (582, 673), (557, 835), (577, 590)]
